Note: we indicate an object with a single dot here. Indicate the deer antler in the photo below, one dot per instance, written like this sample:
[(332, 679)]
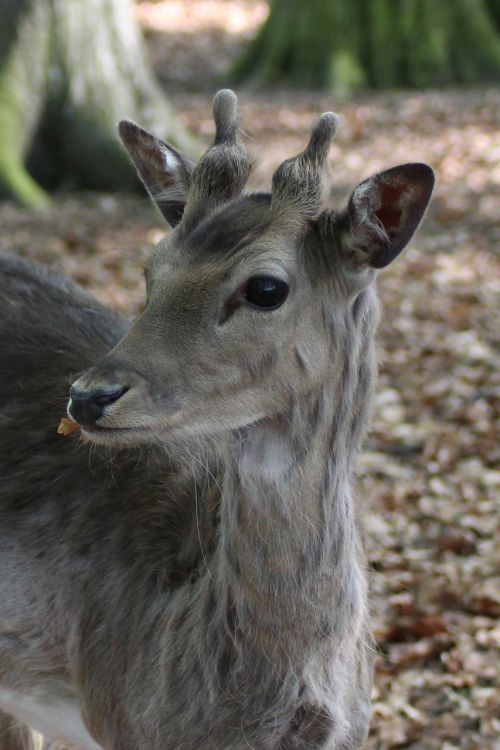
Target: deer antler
[(223, 170), (297, 183)]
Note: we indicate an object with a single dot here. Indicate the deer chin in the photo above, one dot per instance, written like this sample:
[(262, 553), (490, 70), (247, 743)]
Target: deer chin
[(119, 429), (175, 429), (119, 433), (117, 436)]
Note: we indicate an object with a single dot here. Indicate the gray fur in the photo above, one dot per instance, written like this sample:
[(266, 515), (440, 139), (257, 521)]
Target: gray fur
[(203, 585)]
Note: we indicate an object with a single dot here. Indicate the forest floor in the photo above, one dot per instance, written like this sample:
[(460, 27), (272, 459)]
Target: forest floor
[(430, 472)]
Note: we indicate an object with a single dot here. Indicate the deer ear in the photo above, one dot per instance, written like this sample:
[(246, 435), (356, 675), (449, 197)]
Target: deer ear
[(165, 173), (384, 212)]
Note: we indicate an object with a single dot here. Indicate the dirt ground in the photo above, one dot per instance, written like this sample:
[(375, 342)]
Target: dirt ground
[(430, 473)]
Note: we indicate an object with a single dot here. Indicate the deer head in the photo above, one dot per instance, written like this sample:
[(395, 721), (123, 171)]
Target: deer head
[(242, 293)]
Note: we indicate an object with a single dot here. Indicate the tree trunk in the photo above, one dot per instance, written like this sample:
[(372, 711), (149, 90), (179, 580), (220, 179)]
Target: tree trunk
[(68, 72), (494, 11), (346, 44)]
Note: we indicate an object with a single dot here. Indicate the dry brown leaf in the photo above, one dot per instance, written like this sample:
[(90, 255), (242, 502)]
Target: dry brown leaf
[(67, 426)]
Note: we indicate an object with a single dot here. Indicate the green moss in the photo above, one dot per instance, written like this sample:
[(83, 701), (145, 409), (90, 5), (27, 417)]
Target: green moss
[(68, 73), (346, 44)]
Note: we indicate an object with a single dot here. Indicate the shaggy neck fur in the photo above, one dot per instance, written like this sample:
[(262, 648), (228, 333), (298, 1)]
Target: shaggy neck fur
[(288, 534)]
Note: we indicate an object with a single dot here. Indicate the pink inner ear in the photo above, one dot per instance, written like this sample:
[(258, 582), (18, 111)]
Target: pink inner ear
[(390, 211), (386, 209)]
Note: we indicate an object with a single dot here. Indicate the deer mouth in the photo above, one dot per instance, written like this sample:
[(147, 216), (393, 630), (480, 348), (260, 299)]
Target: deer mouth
[(132, 434), (116, 436)]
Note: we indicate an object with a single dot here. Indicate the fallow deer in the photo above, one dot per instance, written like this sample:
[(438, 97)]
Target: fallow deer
[(205, 587)]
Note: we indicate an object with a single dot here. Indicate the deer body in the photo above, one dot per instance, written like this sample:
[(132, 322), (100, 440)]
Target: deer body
[(207, 590)]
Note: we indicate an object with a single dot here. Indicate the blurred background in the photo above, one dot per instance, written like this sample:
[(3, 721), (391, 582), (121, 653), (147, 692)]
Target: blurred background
[(413, 80)]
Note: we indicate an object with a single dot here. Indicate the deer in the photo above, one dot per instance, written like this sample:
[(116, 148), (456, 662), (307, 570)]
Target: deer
[(192, 574)]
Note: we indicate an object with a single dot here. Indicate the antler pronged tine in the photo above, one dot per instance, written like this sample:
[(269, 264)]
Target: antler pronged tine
[(223, 170), (321, 138), (297, 183), (225, 109)]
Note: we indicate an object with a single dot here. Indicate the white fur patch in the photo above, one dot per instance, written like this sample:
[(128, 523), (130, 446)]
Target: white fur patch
[(170, 161), (56, 720), (266, 459)]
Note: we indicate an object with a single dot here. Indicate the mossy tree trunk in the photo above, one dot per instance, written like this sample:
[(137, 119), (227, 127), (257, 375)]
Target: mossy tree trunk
[(346, 44), (494, 10), (69, 70)]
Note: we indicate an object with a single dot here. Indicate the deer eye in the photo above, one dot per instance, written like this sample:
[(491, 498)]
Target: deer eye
[(265, 292)]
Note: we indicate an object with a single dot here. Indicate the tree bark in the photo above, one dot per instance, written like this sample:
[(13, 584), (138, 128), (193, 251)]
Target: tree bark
[(68, 72), (347, 44), (493, 7)]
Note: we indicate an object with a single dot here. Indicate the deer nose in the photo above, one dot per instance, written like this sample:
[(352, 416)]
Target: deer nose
[(86, 407)]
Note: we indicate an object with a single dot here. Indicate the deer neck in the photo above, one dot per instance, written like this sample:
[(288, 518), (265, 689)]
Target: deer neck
[(289, 538)]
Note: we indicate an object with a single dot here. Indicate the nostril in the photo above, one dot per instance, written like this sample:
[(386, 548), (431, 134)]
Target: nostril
[(86, 407)]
